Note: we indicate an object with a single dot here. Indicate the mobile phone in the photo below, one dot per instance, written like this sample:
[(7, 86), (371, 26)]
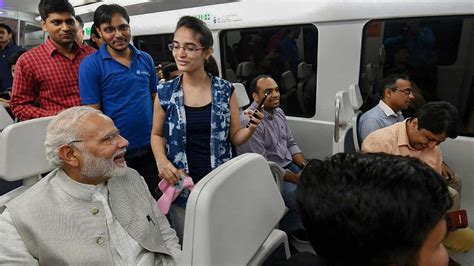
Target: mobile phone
[(456, 219), (260, 104)]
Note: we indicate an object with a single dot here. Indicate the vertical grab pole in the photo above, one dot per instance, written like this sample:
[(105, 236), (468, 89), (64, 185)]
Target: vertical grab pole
[(336, 121)]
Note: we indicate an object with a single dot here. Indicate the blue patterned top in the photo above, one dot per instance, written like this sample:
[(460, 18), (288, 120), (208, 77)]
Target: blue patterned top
[(174, 129)]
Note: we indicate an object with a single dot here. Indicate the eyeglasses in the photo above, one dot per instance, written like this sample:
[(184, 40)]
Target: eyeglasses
[(407, 92), (109, 139), (188, 49)]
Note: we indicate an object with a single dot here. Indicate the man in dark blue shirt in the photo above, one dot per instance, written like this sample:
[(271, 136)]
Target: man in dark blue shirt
[(120, 80), (8, 47)]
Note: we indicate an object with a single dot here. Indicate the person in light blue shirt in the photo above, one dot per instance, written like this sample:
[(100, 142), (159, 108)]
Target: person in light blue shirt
[(395, 96), (120, 81)]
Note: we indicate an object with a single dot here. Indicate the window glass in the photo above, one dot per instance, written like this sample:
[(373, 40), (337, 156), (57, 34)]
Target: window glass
[(287, 53), (437, 55), (156, 46)]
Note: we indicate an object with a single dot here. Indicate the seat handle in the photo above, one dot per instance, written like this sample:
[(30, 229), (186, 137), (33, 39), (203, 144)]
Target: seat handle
[(336, 121)]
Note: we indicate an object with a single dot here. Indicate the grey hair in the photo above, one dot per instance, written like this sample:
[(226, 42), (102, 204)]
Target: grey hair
[(63, 129)]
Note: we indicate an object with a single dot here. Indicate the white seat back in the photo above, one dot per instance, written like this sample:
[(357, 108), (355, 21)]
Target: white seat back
[(241, 93), (248, 69), (22, 153), (356, 102), (230, 75), (305, 72), (5, 118), (355, 132), (355, 97), (231, 214), (343, 123), (288, 81)]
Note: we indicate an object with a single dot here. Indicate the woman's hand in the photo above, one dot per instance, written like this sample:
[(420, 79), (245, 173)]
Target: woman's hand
[(170, 173)]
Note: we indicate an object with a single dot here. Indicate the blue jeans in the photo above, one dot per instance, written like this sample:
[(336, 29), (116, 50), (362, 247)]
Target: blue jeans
[(292, 219)]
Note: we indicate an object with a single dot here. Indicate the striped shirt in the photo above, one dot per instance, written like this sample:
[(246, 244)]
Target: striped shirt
[(272, 139)]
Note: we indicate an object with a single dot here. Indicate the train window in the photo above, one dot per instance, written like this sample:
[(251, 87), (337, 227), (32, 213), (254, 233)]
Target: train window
[(287, 53), (156, 46), (435, 52)]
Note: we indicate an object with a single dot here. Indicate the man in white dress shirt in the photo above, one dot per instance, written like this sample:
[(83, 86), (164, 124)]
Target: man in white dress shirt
[(92, 209)]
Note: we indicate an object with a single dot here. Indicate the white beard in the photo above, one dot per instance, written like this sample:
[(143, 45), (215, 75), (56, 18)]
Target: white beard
[(101, 167)]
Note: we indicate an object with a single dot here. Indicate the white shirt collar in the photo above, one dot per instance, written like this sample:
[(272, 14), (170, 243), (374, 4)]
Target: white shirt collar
[(387, 110)]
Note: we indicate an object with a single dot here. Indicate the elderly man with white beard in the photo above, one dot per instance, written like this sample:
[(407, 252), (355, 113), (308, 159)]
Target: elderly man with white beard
[(92, 209)]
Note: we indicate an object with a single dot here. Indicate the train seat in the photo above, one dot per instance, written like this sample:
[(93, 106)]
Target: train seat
[(230, 75), (232, 213), (288, 82), (289, 101), (304, 74), (245, 72), (22, 154), (343, 140), (241, 94), (5, 118), (356, 102), (355, 97)]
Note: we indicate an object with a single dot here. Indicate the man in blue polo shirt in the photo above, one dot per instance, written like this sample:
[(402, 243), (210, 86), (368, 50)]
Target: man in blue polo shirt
[(120, 80)]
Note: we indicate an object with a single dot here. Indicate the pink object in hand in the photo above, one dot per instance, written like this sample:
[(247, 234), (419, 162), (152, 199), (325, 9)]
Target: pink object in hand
[(171, 192)]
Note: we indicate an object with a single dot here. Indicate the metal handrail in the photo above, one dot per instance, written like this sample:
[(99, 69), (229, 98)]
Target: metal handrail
[(336, 121)]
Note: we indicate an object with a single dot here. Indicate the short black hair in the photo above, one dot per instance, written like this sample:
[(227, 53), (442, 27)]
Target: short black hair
[(94, 31), (81, 22), (438, 117), (253, 84), (96, 34), (370, 209), (104, 14), (389, 83), (199, 28), (6, 27), (13, 58), (47, 7)]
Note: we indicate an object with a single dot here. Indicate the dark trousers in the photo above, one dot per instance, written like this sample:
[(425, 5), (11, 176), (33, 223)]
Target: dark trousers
[(6, 186), (143, 161)]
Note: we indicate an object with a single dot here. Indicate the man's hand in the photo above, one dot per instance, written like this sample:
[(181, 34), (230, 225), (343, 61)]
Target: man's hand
[(446, 171), (255, 117), (299, 160), (291, 177), (5, 103)]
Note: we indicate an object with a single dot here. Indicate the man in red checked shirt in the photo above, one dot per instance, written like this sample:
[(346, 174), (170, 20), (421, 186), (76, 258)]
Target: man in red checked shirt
[(46, 77)]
